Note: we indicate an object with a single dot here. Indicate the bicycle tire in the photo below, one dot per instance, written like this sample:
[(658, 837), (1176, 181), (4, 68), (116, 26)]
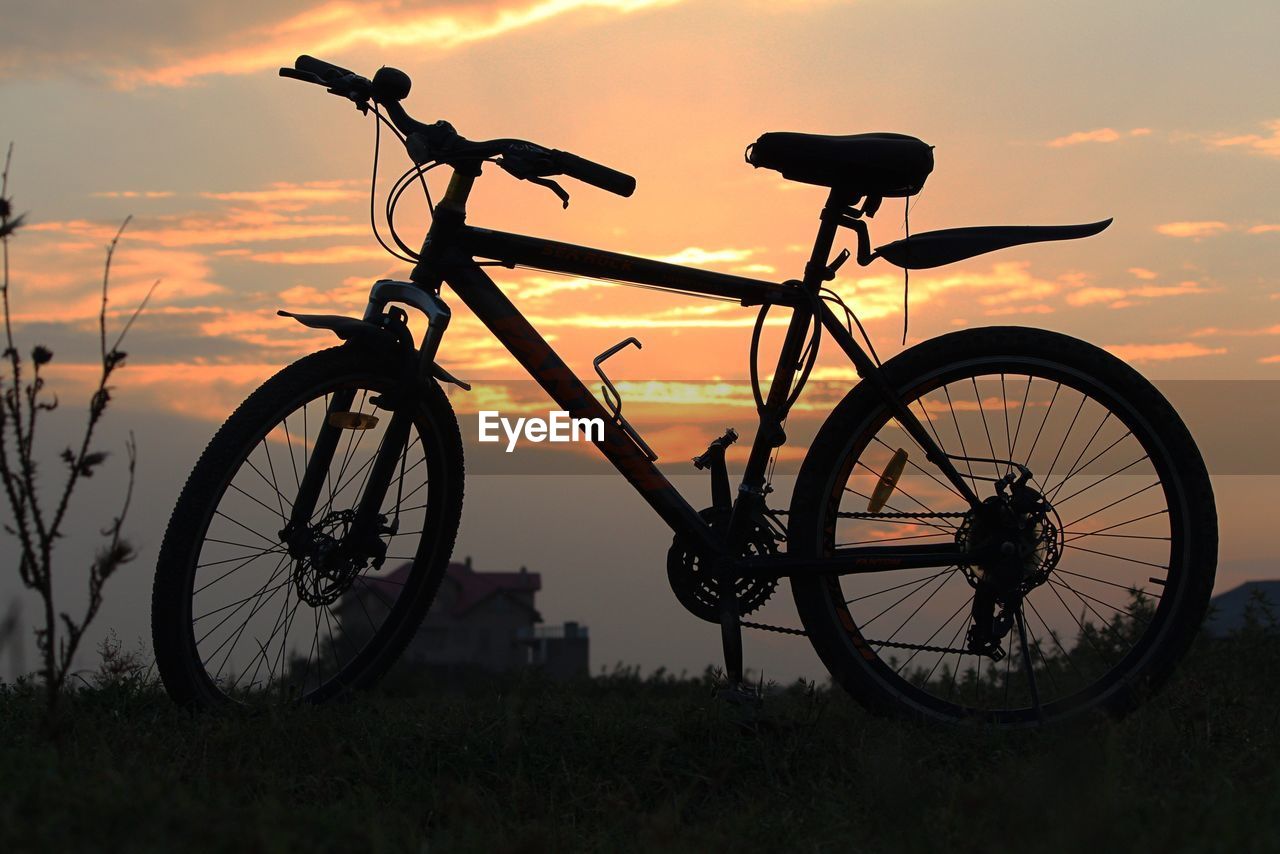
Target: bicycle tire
[(861, 670), (177, 656)]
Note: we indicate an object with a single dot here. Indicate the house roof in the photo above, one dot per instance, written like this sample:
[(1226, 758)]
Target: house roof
[(474, 588)]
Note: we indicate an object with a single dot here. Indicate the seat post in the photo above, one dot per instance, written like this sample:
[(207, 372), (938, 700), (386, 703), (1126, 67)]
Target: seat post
[(838, 202)]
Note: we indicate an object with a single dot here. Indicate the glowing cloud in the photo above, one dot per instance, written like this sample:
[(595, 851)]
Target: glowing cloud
[(1163, 352), (1116, 296), (1192, 229), (1099, 135), (1267, 146), (339, 26), (133, 194)]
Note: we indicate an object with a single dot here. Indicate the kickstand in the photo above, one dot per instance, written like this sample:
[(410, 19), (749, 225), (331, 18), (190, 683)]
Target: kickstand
[(736, 690)]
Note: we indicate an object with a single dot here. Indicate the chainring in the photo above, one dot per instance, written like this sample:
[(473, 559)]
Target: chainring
[(696, 586)]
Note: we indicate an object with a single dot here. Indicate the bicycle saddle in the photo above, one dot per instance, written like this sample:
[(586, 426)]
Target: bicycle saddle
[(870, 164)]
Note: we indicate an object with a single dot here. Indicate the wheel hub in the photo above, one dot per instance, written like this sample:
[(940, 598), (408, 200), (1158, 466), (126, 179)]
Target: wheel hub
[(1012, 541), (325, 570)]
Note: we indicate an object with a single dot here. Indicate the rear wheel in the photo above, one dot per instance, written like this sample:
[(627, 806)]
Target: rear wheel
[(1088, 588), (235, 617)]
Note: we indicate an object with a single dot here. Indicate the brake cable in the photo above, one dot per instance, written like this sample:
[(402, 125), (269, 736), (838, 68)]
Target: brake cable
[(833, 297), (906, 271), (409, 257), (397, 190), (404, 182)]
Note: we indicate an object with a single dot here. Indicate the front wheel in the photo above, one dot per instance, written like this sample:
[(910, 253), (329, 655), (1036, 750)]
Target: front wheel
[(237, 618), (1079, 592)]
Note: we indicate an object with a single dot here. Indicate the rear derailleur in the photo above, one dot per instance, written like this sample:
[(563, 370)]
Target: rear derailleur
[(1012, 542)]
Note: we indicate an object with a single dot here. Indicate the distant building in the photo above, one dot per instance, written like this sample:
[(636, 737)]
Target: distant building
[(488, 620), (1227, 610)]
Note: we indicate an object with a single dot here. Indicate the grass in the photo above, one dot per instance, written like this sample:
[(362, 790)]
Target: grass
[(620, 763)]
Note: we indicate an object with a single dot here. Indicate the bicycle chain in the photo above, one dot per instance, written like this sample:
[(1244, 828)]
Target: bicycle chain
[(921, 647), (765, 627), (786, 630), (891, 515), (901, 515)]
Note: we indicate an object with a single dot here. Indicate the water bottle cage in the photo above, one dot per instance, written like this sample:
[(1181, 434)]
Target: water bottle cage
[(613, 400)]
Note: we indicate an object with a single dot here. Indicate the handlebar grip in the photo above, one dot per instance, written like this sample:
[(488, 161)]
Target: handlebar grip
[(594, 174), (320, 68)]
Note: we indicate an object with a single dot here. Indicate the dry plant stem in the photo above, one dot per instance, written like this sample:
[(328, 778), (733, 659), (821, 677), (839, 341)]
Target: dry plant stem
[(21, 403)]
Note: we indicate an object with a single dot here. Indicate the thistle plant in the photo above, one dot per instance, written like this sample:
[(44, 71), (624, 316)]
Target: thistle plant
[(39, 510)]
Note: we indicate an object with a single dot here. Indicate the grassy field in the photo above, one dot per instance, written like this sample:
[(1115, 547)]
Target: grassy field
[(620, 763)]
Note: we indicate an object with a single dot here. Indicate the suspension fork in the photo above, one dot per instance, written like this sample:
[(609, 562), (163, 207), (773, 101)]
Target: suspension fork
[(365, 528)]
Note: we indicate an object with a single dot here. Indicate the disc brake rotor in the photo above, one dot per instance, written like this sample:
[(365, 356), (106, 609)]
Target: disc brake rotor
[(323, 575)]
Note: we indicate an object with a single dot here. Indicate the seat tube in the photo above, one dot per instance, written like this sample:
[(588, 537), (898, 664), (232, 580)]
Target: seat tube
[(770, 434)]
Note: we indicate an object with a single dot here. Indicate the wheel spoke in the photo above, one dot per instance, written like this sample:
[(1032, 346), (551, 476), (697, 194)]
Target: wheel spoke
[(1041, 675)]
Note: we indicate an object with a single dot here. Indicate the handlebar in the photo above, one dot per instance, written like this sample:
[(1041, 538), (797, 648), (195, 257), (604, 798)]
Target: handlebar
[(595, 174), (440, 142)]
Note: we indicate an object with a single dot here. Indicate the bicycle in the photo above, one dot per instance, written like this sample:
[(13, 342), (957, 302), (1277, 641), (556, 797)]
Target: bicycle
[(325, 508)]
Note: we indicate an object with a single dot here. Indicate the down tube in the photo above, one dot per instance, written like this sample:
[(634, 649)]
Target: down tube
[(504, 320)]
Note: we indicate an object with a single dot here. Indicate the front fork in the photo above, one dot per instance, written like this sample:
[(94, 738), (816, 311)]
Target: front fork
[(415, 367)]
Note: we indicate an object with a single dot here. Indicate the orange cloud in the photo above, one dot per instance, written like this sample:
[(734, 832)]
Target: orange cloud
[(1019, 309), (208, 391), (235, 226), (1114, 296), (133, 194), (1248, 333), (1162, 352), (291, 196), (1266, 145), (1142, 273), (1006, 282), (1265, 228), (1099, 135), (327, 255), (339, 26), (697, 256), (52, 284), (1197, 229)]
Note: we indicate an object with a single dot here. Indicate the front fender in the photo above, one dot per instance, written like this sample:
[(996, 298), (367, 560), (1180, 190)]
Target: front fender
[(368, 333)]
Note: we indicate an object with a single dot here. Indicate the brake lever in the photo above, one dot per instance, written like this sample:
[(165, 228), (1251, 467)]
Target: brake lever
[(304, 76), (553, 186), (532, 169)]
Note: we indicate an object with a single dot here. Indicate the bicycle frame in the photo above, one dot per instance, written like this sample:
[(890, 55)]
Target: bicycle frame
[(449, 256)]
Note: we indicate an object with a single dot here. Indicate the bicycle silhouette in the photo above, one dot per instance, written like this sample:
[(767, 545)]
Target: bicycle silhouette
[(1000, 524)]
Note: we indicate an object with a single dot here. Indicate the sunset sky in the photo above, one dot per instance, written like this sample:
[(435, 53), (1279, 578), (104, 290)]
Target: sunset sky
[(250, 193)]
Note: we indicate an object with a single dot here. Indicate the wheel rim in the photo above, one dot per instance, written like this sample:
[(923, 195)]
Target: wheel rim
[(1084, 631), (266, 628)]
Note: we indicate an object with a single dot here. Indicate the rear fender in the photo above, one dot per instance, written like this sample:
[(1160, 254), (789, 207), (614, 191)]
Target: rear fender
[(935, 248)]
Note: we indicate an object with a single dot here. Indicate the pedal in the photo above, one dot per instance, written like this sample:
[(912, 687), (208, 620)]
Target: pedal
[(716, 448), (713, 458), (614, 400)]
